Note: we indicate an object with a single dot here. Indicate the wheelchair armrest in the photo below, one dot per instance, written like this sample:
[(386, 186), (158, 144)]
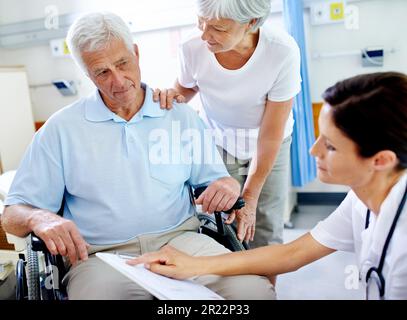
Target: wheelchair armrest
[(19, 243)]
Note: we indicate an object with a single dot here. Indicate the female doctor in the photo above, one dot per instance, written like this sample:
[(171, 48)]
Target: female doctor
[(363, 144)]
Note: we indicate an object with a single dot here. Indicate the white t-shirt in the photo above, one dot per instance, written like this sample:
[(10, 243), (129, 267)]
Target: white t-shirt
[(233, 101), (345, 230)]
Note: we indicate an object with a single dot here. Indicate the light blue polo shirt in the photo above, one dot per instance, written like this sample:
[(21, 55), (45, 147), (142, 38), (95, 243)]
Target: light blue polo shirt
[(111, 170)]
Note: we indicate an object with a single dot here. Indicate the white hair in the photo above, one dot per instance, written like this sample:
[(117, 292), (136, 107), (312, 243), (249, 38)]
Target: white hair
[(94, 31), (242, 11)]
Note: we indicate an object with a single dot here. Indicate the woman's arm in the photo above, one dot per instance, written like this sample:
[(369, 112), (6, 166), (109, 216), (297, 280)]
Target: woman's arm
[(178, 93), (188, 93), (268, 261), (269, 141)]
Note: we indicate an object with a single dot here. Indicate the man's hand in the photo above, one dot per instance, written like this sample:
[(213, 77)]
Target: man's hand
[(169, 262), (220, 195), (166, 97), (60, 235), (246, 221)]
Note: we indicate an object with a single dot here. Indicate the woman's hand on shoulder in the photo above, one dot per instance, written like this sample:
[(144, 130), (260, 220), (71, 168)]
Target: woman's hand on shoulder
[(166, 97)]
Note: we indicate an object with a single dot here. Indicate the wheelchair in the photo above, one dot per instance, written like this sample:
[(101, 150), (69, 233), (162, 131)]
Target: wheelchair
[(35, 283)]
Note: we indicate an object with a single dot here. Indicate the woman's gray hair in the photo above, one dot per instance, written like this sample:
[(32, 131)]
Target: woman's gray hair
[(242, 11), (94, 31)]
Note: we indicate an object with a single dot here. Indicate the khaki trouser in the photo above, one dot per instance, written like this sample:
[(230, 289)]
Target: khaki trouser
[(95, 279), (273, 196)]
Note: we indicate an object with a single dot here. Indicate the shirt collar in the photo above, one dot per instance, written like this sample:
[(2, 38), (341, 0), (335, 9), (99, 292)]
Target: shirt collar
[(150, 108), (97, 111)]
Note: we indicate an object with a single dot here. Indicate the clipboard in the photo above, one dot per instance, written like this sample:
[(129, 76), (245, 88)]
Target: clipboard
[(159, 286)]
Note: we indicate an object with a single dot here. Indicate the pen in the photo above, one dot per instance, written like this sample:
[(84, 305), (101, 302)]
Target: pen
[(127, 256)]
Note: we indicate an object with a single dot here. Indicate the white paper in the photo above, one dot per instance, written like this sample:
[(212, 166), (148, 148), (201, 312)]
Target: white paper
[(161, 287)]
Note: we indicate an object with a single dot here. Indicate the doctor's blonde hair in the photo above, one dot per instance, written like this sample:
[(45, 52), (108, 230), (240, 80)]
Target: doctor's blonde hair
[(242, 11)]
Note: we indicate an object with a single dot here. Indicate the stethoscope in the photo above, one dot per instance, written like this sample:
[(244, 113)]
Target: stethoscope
[(375, 273)]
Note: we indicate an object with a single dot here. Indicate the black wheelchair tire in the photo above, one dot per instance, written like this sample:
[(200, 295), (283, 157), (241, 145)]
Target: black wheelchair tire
[(234, 241), (230, 232), (21, 287), (33, 274)]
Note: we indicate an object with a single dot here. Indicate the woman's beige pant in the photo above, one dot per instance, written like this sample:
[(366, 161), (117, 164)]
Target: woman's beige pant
[(273, 197)]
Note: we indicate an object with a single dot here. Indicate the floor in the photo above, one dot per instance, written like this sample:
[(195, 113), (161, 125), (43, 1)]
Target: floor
[(324, 279)]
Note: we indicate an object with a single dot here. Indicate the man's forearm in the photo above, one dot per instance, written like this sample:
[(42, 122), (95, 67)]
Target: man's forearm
[(16, 219), (60, 235)]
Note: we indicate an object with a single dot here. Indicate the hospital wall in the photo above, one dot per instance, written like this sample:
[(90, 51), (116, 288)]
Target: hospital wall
[(381, 23)]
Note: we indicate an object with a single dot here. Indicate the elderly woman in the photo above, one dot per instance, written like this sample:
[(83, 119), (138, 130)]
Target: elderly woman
[(247, 76), (363, 144)]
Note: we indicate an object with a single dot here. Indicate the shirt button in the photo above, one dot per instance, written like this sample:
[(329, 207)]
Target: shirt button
[(131, 140)]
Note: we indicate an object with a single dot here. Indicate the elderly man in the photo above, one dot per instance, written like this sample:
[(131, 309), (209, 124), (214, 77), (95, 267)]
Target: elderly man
[(97, 155)]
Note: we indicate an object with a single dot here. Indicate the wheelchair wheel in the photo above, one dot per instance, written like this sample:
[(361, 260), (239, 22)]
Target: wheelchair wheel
[(229, 239), (33, 275), (21, 287), (232, 238)]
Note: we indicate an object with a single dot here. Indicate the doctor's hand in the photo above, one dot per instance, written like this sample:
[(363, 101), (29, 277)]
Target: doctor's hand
[(169, 262), (220, 195), (60, 235), (246, 221), (166, 97)]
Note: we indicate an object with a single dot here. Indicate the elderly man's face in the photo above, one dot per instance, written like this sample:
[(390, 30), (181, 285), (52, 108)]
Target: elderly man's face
[(116, 73)]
